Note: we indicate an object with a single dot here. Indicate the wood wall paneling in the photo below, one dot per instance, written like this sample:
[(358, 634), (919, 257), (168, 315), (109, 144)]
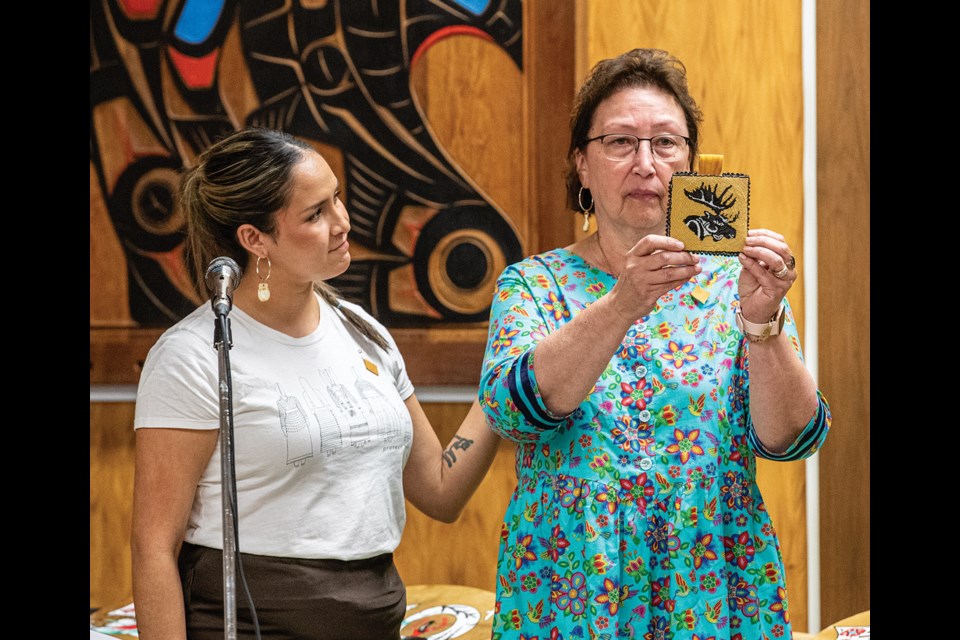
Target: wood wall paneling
[(111, 502), (551, 84), (843, 198)]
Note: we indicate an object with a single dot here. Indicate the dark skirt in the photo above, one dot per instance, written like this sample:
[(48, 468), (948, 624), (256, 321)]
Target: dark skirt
[(293, 598)]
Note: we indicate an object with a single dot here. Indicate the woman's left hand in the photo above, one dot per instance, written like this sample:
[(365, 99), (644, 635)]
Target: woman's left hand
[(769, 270)]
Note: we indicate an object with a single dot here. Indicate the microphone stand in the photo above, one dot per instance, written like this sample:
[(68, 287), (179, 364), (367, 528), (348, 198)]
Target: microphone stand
[(223, 342)]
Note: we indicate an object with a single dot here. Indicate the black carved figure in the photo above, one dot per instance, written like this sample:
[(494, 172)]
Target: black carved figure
[(336, 72)]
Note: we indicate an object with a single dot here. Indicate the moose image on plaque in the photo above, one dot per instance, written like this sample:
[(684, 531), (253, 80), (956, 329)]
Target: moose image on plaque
[(709, 213)]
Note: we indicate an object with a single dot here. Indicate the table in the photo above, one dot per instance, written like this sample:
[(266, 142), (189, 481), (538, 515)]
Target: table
[(441, 611), (437, 611), (829, 632)]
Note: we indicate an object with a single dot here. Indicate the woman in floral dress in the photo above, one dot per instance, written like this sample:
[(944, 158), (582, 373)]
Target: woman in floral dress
[(639, 400)]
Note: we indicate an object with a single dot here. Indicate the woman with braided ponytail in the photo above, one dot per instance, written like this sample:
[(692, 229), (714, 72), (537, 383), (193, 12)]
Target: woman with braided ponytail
[(329, 436)]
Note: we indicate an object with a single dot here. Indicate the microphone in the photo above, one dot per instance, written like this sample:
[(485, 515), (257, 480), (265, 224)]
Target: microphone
[(223, 275)]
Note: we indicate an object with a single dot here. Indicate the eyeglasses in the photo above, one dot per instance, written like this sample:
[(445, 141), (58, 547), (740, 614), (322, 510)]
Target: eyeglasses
[(623, 146)]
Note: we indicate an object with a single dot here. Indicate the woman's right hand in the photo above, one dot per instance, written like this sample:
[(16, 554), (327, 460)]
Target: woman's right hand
[(654, 266)]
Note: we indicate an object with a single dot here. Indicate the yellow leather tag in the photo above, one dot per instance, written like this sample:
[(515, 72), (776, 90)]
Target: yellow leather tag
[(700, 294)]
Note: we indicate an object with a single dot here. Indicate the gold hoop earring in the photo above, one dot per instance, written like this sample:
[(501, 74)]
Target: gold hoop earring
[(263, 289), (586, 210)]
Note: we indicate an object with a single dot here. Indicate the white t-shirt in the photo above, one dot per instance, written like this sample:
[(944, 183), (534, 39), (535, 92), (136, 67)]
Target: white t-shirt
[(321, 434)]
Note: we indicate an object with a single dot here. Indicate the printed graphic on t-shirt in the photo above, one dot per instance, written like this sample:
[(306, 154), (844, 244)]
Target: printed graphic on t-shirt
[(386, 421), (357, 428), (336, 416), (331, 432), (296, 428)]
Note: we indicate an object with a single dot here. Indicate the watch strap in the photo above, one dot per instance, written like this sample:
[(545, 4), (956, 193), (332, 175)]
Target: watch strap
[(760, 332)]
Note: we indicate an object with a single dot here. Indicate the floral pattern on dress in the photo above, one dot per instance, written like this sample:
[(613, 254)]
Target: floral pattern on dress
[(638, 515)]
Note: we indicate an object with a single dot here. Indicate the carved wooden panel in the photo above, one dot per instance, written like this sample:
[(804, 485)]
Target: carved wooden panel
[(167, 78), (427, 112)]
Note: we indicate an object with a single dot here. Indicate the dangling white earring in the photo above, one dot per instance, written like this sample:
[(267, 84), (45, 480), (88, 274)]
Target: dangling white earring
[(263, 289), (586, 210)]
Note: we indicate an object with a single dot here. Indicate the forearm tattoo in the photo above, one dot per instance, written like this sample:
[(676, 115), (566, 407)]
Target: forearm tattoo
[(458, 443)]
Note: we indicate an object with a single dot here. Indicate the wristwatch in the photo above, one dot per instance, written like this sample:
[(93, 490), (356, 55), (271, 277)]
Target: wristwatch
[(754, 332)]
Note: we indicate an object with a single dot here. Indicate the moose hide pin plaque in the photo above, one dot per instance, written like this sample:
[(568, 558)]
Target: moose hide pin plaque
[(709, 213)]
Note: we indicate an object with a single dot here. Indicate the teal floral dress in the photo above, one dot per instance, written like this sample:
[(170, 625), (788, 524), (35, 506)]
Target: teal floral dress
[(638, 515)]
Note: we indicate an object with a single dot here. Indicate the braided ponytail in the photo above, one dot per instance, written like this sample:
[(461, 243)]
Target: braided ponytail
[(329, 294)]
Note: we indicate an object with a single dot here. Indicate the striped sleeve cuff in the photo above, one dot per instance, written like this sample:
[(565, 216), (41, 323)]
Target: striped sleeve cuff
[(526, 396), (806, 444)]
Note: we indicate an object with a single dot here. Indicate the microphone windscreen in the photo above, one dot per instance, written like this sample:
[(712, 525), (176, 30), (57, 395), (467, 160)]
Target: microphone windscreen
[(222, 266)]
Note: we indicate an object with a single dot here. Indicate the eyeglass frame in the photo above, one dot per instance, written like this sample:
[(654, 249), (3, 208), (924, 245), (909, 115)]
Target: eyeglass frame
[(636, 149)]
